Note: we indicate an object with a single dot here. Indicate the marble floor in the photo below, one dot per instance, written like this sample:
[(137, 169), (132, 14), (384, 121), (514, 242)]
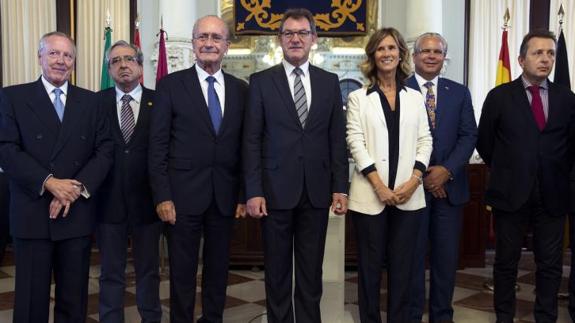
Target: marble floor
[(246, 298)]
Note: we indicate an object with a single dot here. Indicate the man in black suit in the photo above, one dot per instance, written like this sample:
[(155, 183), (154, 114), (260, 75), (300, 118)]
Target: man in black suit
[(295, 167), (126, 208), (56, 151), (195, 139), (526, 138)]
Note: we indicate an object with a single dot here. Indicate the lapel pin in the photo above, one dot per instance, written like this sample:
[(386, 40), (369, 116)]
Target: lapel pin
[(149, 103), (447, 87)]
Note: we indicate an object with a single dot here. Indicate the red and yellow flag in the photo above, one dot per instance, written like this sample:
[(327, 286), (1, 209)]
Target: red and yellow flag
[(503, 66)]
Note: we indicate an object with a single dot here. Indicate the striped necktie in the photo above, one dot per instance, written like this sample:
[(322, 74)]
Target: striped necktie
[(430, 103), (299, 97), (127, 122)]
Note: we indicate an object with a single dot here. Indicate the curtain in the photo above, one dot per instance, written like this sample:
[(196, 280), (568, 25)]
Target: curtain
[(485, 42), (90, 36), (568, 31), (23, 23)]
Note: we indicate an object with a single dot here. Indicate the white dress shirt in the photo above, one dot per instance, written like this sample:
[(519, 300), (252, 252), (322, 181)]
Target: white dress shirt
[(219, 85), (289, 68), (136, 95)]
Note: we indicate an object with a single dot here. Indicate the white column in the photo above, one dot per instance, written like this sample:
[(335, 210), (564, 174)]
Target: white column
[(423, 16), (179, 17)]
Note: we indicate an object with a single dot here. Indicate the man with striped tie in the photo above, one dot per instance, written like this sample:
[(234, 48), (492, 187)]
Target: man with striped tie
[(125, 206), (295, 167)]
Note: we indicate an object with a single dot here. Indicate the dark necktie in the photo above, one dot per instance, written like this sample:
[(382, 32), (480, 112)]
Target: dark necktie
[(299, 97), (430, 103), (537, 107), (58, 104), (214, 106), (127, 122)]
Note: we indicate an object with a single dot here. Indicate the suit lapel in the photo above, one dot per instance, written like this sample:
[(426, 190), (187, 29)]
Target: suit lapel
[(111, 105), (282, 85), (440, 102), (554, 104), (375, 101), (316, 93), (72, 112), (43, 108), (145, 105), (229, 105), (194, 89)]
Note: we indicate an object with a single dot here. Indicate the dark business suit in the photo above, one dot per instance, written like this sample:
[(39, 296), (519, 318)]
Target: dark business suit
[(454, 138), (529, 183), (4, 223), (34, 144), (199, 171), (126, 208), (296, 169)]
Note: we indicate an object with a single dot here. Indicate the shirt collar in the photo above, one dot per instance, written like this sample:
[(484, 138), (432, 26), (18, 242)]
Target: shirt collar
[(50, 87), (136, 94), (421, 81), (375, 88), (527, 84), (289, 67), (202, 75)]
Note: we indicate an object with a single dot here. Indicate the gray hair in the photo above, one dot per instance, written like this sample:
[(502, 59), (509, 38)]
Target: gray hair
[(208, 16), (42, 42), (123, 43), (417, 45)]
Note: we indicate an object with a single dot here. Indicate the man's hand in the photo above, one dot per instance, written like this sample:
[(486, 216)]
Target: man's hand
[(56, 207), (65, 190), (167, 211), (339, 203), (436, 177), (240, 211), (439, 193), (257, 207)]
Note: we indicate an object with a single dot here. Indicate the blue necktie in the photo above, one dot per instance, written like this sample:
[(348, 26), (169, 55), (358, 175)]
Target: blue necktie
[(214, 104), (58, 104)]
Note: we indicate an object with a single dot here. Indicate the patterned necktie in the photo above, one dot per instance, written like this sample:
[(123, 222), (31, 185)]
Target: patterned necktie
[(299, 97), (537, 107), (58, 104), (127, 122), (430, 103), (214, 106)]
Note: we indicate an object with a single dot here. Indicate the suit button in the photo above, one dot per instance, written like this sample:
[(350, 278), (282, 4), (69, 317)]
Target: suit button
[(76, 163), (39, 136), (52, 165), (83, 137), (127, 151)]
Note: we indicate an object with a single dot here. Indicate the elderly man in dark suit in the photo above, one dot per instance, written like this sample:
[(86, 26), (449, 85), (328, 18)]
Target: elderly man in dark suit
[(454, 130), (526, 138), (295, 167), (195, 139), (125, 207), (56, 151)]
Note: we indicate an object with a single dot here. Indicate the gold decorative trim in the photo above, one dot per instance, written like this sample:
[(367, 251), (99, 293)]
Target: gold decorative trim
[(342, 10)]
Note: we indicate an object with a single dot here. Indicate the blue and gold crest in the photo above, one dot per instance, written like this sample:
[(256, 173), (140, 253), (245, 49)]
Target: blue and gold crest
[(332, 17)]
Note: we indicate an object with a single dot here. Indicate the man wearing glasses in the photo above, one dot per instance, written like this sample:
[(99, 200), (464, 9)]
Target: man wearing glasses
[(194, 159), (295, 167), (125, 206), (56, 151)]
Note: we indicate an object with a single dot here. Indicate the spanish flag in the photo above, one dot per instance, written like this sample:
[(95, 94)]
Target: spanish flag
[(503, 66)]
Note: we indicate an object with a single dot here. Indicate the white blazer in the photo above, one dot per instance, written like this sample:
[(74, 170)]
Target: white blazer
[(367, 139)]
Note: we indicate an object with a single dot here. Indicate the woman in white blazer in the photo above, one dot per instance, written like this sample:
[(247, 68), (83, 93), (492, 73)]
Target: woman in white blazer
[(389, 139)]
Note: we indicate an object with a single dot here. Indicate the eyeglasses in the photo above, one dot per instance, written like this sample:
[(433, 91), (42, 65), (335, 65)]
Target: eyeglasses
[(127, 59), (290, 34), (56, 54), (216, 38), (428, 51)]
